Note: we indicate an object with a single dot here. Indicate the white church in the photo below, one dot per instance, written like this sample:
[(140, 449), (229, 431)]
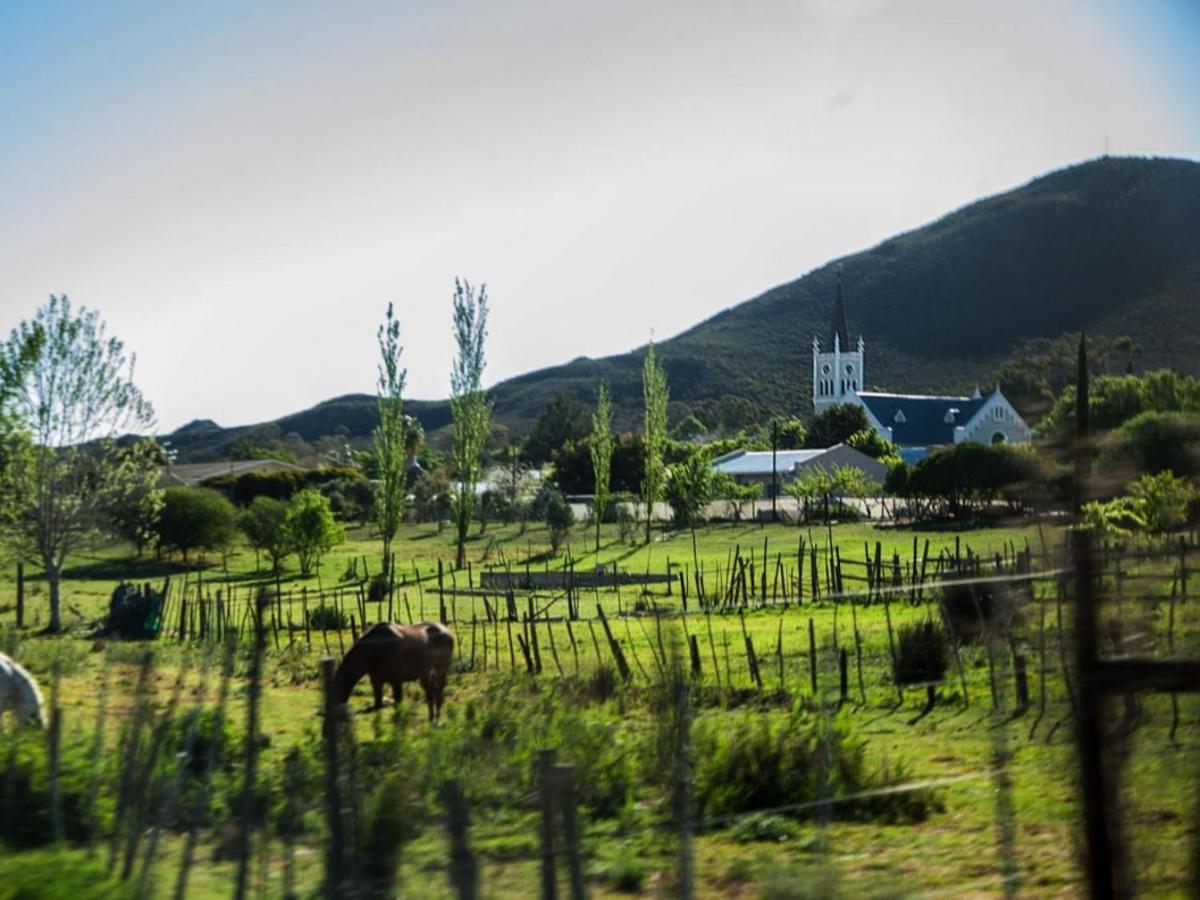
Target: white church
[(917, 423)]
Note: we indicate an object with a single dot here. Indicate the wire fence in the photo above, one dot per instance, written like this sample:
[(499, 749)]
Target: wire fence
[(168, 770)]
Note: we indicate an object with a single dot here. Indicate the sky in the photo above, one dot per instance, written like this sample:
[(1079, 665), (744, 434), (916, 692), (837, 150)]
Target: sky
[(241, 189)]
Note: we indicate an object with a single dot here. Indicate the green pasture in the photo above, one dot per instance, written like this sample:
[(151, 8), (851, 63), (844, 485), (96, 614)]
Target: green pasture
[(497, 715)]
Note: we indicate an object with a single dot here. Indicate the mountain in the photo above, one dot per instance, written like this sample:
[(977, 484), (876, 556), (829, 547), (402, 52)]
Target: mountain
[(1111, 245)]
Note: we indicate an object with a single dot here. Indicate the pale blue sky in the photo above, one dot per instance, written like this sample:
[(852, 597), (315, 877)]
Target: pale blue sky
[(242, 188)]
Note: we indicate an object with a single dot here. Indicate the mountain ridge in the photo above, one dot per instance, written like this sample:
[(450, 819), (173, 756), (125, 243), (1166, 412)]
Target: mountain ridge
[(1111, 245)]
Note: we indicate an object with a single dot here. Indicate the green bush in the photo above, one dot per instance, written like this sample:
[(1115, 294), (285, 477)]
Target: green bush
[(25, 809), (921, 653), (755, 762), (763, 827), (195, 518), (58, 875), (327, 618)]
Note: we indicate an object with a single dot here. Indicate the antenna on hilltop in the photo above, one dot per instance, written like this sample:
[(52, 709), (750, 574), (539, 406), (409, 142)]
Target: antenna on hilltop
[(1106, 145)]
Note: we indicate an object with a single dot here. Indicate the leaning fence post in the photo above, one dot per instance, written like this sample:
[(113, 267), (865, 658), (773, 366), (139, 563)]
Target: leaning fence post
[(546, 759), (464, 874)]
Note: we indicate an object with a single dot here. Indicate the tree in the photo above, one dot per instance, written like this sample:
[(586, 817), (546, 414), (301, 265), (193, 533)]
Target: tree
[(819, 482), (70, 394), (264, 523), (689, 488), (791, 434), (726, 487), (390, 437), (835, 425), (1154, 442), (558, 515), (654, 395), (513, 487), (311, 528), (469, 407), (563, 420), (195, 518), (1163, 500), (601, 446), (868, 441), (135, 516), (432, 493)]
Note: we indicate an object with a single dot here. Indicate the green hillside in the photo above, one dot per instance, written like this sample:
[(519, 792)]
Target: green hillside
[(1111, 245)]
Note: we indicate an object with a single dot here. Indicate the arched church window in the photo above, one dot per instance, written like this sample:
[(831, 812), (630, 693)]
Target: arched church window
[(998, 438)]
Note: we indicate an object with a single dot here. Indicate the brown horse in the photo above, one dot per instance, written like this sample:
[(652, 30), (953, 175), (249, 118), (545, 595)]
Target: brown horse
[(393, 654)]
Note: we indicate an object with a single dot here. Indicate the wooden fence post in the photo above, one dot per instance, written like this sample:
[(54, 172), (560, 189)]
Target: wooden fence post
[(844, 675), (812, 655), (335, 860), (20, 594), (546, 790), (563, 780), (1022, 682)]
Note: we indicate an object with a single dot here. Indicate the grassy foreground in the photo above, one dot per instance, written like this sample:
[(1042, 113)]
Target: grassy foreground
[(960, 835)]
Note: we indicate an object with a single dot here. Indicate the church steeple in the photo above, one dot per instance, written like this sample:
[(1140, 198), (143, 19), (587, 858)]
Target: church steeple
[(838, 371), (839, 334)]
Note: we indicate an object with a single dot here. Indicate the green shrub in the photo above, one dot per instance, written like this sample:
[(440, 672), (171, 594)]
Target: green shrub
[(25, 809), (627, 873), (58, 875), (327, 618), (970, 609), (749, 762), (921, 653), (762, 827)]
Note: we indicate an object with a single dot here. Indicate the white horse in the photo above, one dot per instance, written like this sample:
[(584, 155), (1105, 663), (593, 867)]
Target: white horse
[(19, 694)]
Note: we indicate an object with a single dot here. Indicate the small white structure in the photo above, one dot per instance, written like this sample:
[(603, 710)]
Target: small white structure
[(755, 466), (916, 422)]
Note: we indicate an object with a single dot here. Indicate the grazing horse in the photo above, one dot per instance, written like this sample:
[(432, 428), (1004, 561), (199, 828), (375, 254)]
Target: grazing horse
[(19, 694), (393, 654)]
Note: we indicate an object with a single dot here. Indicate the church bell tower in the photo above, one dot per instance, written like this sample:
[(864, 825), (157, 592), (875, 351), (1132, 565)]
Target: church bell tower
[(837, 375)]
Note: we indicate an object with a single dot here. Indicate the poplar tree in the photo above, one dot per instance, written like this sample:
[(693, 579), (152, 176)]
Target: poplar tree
[(469, 407), (601, 449), (391, 436), (654, 393)]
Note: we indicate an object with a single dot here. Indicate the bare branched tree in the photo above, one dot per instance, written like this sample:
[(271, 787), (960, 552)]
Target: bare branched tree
[(73, 395)]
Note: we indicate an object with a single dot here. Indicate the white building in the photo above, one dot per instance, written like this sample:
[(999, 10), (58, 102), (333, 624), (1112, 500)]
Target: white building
[(785, 466), (916, 422)]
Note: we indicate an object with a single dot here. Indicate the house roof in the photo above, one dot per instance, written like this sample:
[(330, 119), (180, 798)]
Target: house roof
[(920, 421), (198, 473), (758, 462)]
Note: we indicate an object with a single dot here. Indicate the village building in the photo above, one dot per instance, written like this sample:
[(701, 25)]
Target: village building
[(198, 474), (784, 466), (918, 423)]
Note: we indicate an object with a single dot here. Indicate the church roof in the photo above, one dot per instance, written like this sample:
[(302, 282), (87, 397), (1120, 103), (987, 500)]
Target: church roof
[(917, 420)]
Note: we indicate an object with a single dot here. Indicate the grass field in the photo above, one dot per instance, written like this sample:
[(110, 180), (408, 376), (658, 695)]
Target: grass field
[(962, 834)]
